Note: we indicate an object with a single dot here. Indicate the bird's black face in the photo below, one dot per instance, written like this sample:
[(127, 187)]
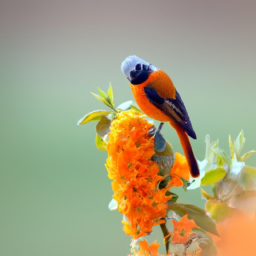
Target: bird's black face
[(140, 74)]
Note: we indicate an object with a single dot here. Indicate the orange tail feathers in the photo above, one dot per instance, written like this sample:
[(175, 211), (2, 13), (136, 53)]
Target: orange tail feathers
[(187, 149)]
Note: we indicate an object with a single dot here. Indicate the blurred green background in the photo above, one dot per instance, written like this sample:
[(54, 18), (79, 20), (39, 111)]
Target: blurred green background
[(54, 189)]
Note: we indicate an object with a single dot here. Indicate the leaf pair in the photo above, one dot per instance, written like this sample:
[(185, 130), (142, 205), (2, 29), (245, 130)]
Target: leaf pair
[(105, 116), (214, 175), (102, 127), (222, 156), (106, 98), (237, 146)]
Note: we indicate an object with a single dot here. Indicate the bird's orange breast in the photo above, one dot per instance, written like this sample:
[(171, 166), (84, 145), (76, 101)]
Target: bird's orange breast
[(165, 89)]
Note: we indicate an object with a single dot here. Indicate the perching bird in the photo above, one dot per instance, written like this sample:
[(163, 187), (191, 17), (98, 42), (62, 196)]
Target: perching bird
[(157, 97)]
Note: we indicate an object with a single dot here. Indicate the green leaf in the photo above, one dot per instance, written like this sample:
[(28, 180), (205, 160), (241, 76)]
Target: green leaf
[(103, 94), (174, 196), (206, 195), (125, 106), (166, 180), (213, 176), (232, 148), (220, 161), (222, 154), (197, 214), (214, 190), (209, 154), (208, 146), (102, 100), (137, 109), (219, 211), (250, 170), (103, 126), (100, 143), (93, 116), (246, 155), (112, 116), (111, 94), (239, 143)]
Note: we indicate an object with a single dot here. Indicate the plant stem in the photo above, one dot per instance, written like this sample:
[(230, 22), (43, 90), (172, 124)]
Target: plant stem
[(165, 232)]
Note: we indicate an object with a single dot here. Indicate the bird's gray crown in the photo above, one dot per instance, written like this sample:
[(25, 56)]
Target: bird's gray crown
[(130, 63)]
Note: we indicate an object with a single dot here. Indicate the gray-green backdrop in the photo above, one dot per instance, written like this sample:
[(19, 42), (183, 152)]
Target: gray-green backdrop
[(54, 189)]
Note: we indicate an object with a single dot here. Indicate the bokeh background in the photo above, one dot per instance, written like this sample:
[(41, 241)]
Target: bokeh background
[(54, 189)]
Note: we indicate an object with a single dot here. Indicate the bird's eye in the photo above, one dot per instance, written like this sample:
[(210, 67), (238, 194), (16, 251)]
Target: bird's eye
[(138, 67)]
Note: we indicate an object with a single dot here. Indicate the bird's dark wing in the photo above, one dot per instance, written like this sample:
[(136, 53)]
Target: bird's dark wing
[(173, 108)]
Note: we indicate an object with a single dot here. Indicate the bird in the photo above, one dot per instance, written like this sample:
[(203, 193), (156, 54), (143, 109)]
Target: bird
[(157, 97)]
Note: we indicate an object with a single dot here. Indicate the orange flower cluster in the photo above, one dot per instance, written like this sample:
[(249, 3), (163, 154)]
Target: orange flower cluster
[(135, 176), (183, 240), (146, 250), (182, 230)]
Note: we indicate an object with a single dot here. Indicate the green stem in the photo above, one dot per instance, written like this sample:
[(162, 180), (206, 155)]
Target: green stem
[(165, 232), (114, 109)]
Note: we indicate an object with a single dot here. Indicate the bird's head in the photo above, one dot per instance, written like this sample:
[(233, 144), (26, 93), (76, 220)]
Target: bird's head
[(137, 70)]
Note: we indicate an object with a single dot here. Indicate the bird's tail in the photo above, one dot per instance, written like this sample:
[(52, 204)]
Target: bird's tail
[(187, 149)]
